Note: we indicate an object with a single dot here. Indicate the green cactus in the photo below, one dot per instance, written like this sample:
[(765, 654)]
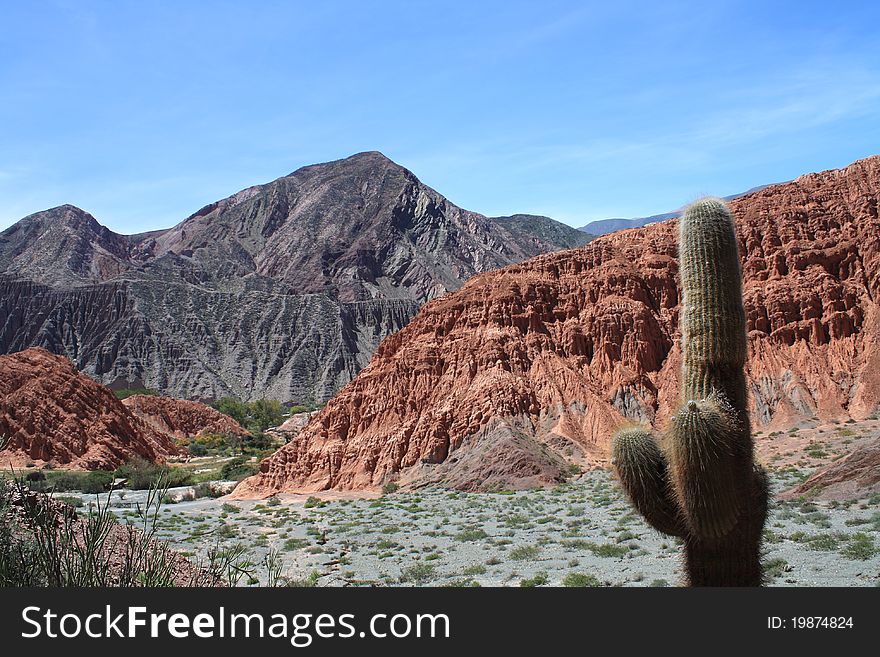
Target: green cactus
[(704, 486)]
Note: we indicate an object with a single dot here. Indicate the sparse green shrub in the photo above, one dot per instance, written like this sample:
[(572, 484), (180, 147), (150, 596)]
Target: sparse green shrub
[(524, 552), (539, 579), (774, 568), (142, 474), (581, 580), (254, 416), (861, 547), (418, 573), (70, 500), (125, 393), (471, 534), (238, 468), (308, 582), (476, 569)]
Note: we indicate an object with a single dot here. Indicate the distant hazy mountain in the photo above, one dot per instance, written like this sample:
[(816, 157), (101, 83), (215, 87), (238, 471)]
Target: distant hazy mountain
[(282, 290), (605, 226)]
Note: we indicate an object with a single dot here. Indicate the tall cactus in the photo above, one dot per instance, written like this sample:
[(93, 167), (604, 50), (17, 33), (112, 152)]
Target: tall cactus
[(703, 486)]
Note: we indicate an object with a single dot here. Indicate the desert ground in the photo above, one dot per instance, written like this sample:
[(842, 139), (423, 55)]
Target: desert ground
[(582, 533)]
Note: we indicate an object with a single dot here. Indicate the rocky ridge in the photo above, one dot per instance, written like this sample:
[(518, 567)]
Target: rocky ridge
[(282, 290), (181, 418), (50, 413), (855, 475), (530, 368)]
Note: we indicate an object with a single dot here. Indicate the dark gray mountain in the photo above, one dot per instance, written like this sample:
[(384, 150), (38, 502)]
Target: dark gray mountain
[(282, 290), (605, 226)]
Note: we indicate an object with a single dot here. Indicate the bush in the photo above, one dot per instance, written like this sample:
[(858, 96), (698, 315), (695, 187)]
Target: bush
[(295, 543), (524, 552), (580, 580), (97, 482), (129, 392), (540, 579), (309, 582), (69, 500), (255, 416), (861, 546), (471, 534), (390, 489), (197, 449), (238, 468), (258, 441), (142, 474), (418, 573), (41, 547)]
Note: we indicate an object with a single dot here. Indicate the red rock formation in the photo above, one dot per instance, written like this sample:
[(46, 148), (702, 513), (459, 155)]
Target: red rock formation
[(854, 476), (556, 352), (51, 412), (181, 418)]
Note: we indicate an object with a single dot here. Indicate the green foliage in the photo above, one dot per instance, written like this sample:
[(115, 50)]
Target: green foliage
[(390, 489), (580, 580), (142, 474), (471, 534), (539, 579), (861, 546), (309, 582), (130, 392), (238, 468), (773, 569), (62, 481), (418, 573), (524, 553), (256, 416), (41, 546)]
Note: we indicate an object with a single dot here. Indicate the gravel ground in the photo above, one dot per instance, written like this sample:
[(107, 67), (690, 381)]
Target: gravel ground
[(582, 533)]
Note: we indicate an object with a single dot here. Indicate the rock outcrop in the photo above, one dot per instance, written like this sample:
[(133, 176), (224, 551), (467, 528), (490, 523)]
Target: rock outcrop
[(290, 428), (51, 413), (181, 418), (546, 358), (281, 291), (854, 476)]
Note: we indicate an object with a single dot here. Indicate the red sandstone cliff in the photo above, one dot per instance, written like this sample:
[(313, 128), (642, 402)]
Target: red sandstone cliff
[(51, 412), (181, 418), (532, 366)]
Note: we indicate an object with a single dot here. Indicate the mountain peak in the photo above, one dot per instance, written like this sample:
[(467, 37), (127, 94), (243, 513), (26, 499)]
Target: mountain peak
[(366, 160), (64, 244)]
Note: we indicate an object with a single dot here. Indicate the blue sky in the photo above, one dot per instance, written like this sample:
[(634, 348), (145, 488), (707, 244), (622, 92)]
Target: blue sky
[(143, 112)]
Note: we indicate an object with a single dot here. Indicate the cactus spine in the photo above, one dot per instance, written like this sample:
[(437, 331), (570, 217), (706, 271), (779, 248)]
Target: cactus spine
[(704, 487)]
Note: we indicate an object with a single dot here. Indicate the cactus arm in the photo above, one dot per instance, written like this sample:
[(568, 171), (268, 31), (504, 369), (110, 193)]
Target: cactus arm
[(708, 466), (642, 470)]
